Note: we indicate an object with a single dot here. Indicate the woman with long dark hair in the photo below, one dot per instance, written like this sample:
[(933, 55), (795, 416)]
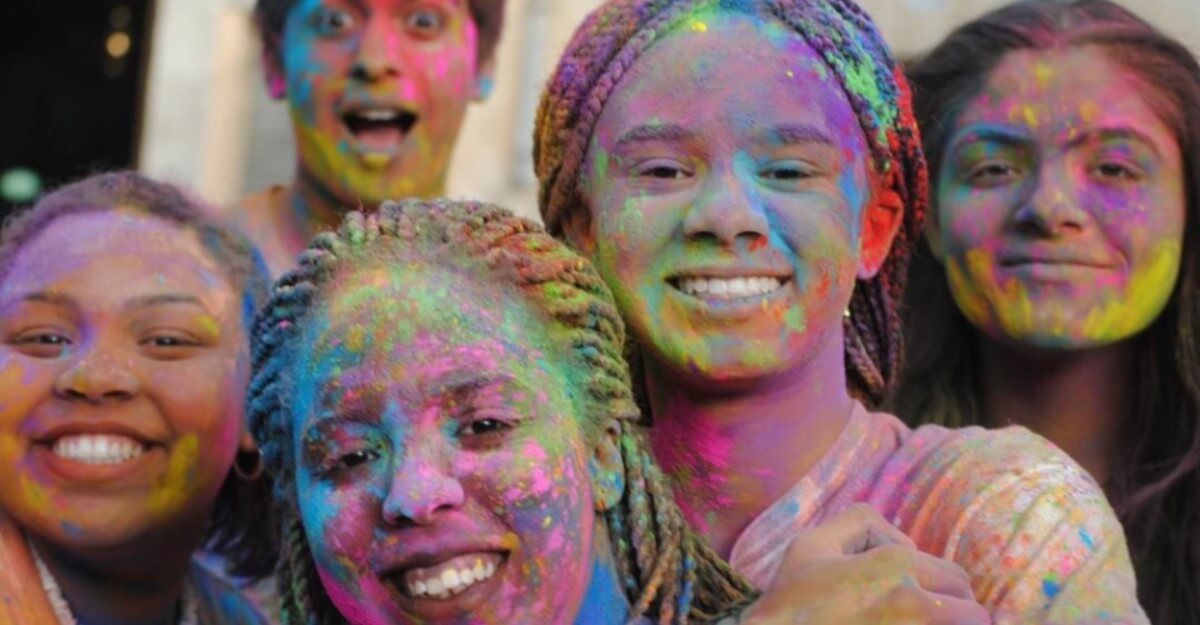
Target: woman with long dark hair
[(1058, 285)]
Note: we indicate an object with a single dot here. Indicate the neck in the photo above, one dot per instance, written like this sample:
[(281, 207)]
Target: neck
[(311, 209), (120, 586), (732, 453), (1076, 398), (604, 603)]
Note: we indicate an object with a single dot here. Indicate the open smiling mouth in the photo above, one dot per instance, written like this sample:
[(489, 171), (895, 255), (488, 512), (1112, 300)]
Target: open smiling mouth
[(380, 129), (97, 449), (728, 289), (448, 579)]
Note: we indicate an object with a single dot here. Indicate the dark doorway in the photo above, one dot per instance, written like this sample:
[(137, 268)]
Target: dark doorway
[(72, 75)]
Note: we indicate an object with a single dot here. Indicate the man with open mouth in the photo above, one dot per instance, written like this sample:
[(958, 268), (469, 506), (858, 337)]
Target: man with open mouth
[(377, 92)]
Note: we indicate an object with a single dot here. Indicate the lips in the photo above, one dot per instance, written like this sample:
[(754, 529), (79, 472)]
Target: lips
[(447, 582), (95, 451), (450, 578)]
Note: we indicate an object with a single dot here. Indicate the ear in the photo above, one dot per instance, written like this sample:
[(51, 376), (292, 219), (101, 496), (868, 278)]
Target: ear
[(577, 230), (607, 468), (485, 80), (273, 71), (880, 222), (247, 443), (933, 236)]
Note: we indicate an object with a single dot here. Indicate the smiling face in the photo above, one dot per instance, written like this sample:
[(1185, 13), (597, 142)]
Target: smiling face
[(122, 370), (378, 90), (444, 473), (727, 183), (1061, 202)]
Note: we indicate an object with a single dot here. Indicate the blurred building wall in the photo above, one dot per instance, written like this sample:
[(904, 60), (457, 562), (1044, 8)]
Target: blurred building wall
[(209, 123)]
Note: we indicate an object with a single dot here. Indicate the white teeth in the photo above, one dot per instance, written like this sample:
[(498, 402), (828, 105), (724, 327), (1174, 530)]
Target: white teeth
[(452, 577), (733, 288), (97, 448), (378, 115)]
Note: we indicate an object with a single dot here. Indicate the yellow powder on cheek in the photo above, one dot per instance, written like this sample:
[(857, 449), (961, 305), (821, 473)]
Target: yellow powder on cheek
[(1148, 291), (179, 481)]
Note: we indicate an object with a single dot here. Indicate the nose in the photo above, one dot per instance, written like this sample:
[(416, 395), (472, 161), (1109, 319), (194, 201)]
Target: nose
[(97, 375), (727, 211), (1051, 208), (378, 50), (422, 487)]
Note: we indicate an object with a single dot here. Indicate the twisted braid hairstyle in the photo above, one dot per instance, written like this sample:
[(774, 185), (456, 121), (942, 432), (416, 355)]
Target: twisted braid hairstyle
[(1155, 483), (610, 41), (234, 531), (667, 572)]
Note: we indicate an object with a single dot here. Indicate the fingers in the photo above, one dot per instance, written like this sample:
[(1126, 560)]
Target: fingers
[(860, 528), (930, 573), (909, 604)]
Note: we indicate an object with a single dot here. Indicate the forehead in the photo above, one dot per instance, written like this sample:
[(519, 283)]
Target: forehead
[(412, 315), (108, 256), (735, 70), (1061, 91), (368, 6)]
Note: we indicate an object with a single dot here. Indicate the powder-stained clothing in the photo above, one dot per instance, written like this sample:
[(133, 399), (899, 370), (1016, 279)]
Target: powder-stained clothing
[(1031, 528), (223, 600)]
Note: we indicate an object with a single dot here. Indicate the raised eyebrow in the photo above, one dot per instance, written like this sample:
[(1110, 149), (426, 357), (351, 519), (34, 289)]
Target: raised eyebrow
[(654, 132)]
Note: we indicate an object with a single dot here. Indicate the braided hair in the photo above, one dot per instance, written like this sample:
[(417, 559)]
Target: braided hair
[(610, 41), (667, 572)]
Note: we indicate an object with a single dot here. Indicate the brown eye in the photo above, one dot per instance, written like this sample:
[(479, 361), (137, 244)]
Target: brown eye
[(332, 22), (485, 426), (425, 23), (357, 458), (42, 344)]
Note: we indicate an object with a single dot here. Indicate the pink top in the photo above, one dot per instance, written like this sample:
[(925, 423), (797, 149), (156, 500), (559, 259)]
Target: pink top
[(1031, 528)]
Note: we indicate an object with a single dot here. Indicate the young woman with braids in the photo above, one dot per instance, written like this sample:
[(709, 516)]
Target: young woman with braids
[(747, 177), (440, 395), (123, 362), (1066, 235)]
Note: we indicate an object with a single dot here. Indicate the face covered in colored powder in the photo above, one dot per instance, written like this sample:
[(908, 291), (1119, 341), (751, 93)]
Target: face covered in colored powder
[(378, 90), (727, 182), (445, 477), (1061, 203), (123, 367)]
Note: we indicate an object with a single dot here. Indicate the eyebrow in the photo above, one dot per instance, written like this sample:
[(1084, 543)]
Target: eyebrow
[(1119, 133), (165, 299), (648, 133), (798, 134), (990, 134), (49, 297)]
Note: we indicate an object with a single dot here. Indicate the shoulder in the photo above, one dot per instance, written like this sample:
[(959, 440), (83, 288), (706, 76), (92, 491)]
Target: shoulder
[(225, 600), (959, 473), (1033, 530)]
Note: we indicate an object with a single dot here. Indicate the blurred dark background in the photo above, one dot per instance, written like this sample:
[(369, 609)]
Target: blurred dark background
[(72, 75)]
